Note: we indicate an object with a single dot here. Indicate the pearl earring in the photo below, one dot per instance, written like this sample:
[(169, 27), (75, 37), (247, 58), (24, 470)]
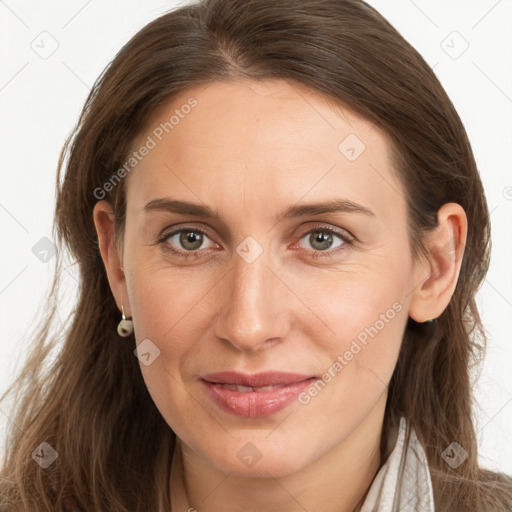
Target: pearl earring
[(125, 327)]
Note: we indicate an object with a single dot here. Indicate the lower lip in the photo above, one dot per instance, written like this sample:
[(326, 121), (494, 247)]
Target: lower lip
[(256, 404)]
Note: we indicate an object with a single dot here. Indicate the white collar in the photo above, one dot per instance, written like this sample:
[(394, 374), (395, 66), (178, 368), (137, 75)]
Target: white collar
[(403, 483)]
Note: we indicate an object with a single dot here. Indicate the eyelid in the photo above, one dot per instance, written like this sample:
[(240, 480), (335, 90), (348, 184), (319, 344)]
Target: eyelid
[(168, 231), (321, 226)]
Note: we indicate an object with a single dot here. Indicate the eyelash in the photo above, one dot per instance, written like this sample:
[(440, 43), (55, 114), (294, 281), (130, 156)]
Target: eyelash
[(348, 241)]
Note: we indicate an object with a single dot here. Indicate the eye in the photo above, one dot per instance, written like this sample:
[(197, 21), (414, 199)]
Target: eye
[(187, 240), (322, 243)]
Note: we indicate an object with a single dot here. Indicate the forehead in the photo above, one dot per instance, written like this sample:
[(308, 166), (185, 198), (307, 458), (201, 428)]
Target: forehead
[(271, 137), (284, 113)]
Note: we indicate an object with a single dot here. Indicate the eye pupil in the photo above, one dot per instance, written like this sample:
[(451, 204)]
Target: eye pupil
[(323, 238), (196, 239)]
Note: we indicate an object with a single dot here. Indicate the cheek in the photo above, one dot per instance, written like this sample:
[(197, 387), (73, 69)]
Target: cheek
[(361, 316), (359, 302), (163, 298), (164, 311), (173, 309)]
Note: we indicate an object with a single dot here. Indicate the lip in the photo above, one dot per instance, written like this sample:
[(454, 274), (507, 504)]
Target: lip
[(280, 390)]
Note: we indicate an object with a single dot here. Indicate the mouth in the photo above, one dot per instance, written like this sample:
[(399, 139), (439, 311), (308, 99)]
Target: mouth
[(256, 380), (247, 389), (257, 395)]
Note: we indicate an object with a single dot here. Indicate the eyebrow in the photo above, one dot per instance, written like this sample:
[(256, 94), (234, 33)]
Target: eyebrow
[(203, 211)]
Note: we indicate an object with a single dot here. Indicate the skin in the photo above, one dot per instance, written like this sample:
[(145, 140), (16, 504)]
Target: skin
[(250, 150)]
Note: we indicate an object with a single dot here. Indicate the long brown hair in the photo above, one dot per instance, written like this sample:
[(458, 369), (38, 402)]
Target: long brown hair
[(89, 402)]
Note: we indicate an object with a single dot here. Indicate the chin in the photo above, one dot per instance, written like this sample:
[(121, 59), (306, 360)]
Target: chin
[(258, 457)]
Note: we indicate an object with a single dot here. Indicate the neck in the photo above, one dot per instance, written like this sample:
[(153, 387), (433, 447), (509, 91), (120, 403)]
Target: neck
[(336, 482)]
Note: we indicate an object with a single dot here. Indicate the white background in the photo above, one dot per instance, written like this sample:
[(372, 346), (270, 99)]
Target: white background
[(40, 100)]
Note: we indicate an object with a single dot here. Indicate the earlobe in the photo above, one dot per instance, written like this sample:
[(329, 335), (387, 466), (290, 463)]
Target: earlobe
[(436, 277), (103, 217)]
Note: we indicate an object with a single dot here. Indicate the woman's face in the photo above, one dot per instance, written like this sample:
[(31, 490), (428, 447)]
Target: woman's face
[(294, 258)]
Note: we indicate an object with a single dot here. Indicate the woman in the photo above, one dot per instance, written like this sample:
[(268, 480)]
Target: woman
[(275, 208)]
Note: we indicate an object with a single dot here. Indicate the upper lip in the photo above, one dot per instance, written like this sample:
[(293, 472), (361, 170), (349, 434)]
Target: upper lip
[(271, 378)]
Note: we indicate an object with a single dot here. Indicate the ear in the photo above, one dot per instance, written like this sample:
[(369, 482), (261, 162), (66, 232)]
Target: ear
[(436, 277), (103, 216)]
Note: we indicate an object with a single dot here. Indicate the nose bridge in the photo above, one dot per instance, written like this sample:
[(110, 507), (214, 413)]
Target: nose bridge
[(251, 311)]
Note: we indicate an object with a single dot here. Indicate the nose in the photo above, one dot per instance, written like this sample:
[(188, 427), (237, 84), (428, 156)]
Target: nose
[(253, 313)]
